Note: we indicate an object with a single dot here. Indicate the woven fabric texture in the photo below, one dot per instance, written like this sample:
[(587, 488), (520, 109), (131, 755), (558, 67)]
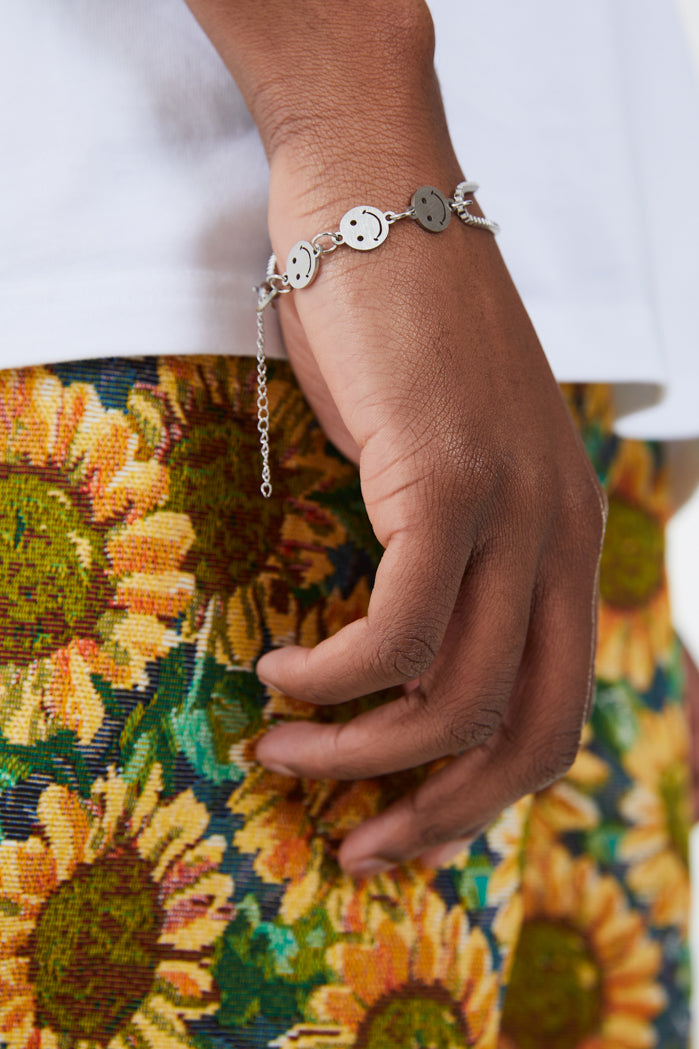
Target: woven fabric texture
[(158, 888)]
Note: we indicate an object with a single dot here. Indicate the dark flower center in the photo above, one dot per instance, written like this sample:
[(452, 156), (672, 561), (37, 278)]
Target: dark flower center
[(631, 571), (555, 995), (215, 480), (416, 1017), (94, 951), (53, 570)]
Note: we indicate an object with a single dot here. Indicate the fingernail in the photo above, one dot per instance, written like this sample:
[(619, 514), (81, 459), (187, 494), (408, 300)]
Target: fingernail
[(261, 672), (368, 868), (263, 678)]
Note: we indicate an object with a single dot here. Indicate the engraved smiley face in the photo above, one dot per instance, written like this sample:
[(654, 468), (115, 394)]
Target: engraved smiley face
[(302, 264), (431, 209), (364, 228)]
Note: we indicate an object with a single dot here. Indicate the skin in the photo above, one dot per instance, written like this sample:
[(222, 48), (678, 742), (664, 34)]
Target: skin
[(422, 365)]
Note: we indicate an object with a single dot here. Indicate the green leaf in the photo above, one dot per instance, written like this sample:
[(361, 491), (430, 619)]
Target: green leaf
[(148, 734), (473, 882), (268, 968), (602, 843), (57, 758), (111, 704), (615, 715), (224, 708), (282, 944)]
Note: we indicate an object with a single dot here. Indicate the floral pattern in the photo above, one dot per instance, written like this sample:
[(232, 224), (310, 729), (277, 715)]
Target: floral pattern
[(413, 974), (657, 807), (109, 911), (634, 621), (90, 569), (586, 969), (158, 889)]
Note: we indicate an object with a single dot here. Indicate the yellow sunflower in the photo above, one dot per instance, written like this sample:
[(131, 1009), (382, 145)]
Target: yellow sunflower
[(658, 807), (108, 914), (538, 820), (506, 839), (567, 805), (590, 403), (203, 415), (585, 970), (416, 976), (294, 828), (635, 632), (90, 569), (337, 612)]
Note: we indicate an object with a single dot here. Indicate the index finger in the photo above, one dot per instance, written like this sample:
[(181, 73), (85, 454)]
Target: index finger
[(416, 587)]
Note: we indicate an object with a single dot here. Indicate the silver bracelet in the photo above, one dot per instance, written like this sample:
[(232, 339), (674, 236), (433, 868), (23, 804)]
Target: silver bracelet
[(362, 228)]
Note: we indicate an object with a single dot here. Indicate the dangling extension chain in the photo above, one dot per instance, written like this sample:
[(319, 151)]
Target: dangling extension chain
[(263, 407)]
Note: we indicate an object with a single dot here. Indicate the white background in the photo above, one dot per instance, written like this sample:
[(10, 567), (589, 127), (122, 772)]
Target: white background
[(683, 537)]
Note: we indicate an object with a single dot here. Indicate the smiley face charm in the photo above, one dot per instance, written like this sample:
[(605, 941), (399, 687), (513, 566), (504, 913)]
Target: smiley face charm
[(431, 209), (302, 264), (364, 228)]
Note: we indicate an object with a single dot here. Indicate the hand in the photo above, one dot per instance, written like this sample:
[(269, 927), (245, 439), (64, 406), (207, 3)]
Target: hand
[(421, 363)]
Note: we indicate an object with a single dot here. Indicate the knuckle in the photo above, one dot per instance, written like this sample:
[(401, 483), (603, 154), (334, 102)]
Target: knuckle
[(534, 477), (434, 833), (553, 759), (531, 471), (468, 729), (428, 827), (573, 496), (602, 500), (433, 825), (407, 655), (484, 466), (346, 762)]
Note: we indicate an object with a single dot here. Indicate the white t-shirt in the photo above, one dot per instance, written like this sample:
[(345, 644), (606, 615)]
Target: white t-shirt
[(133, 184)]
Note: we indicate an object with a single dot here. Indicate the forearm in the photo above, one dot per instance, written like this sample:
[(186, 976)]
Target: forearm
[(343, 82)]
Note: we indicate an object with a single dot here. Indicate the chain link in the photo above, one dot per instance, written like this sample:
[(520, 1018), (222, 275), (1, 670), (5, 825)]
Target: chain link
[(266, 294), (475, 220), (336, 239), (396, 216)]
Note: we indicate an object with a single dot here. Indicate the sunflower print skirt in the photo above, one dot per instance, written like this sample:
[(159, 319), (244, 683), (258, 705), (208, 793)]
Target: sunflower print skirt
[(158, 888)]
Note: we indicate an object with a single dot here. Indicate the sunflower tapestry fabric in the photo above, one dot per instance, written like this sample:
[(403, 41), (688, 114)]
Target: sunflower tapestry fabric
[(158, 888)]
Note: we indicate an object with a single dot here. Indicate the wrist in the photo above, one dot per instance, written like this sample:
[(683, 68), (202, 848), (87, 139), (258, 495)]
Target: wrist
[(310, 190), (370, 70), (317, 66)]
